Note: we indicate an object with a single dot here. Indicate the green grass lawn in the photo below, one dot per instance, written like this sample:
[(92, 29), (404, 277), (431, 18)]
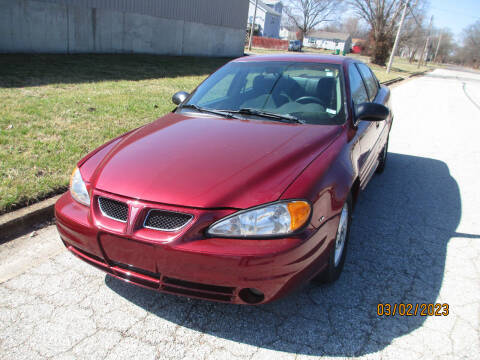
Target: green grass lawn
[(400, 68), (54, 109)]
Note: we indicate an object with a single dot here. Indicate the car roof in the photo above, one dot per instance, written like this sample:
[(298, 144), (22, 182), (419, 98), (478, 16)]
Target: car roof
[(310, 58)]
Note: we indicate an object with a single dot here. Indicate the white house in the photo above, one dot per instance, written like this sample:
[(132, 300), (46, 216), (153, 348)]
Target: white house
[(269, 17), (328, 40), (287, 34)]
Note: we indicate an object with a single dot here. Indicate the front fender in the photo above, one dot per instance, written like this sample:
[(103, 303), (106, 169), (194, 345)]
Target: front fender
[(327, 181)]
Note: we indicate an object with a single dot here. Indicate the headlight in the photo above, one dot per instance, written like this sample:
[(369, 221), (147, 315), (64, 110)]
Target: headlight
[(270, 220), (78, 189)]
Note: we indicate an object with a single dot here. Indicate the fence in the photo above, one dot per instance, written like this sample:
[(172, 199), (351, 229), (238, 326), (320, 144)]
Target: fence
[(269, 43)]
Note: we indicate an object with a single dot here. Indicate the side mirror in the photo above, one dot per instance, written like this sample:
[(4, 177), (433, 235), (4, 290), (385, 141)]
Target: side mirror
[(371, 112), (179, 97)]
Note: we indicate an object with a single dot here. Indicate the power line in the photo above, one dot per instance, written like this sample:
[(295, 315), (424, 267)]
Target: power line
[(425, 49), (397, 38), (253, 25)]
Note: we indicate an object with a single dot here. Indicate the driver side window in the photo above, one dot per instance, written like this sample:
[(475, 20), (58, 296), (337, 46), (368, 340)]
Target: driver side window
[(357, 87)]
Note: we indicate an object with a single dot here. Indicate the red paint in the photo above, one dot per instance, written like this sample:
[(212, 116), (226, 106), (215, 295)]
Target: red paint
[(210, 167), (156, 163)]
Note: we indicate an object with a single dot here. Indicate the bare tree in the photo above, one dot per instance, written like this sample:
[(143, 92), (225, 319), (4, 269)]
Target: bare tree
[(413, 36), (471, 35), (382, 16), (355, 27), (470, 51), (445, 43), (308, 14), (332, 26)]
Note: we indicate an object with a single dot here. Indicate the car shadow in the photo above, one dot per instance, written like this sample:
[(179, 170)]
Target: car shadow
[(402, 224), (25, 70)]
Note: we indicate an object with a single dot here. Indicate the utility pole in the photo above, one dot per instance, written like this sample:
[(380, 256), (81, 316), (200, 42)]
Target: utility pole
[(253, 25), (438, 47), (397, 38), (425, 49)]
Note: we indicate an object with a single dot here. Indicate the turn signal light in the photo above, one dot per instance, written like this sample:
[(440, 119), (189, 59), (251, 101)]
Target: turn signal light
[(299, 214)]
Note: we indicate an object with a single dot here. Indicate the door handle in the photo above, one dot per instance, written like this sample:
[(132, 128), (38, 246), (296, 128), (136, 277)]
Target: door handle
[(377, 124)]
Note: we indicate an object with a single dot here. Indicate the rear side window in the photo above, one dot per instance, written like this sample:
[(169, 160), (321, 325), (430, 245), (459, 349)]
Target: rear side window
[(370, 80), (357, 88)]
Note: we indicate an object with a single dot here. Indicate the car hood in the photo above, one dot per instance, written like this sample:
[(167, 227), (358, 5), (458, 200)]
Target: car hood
[(207, 162)]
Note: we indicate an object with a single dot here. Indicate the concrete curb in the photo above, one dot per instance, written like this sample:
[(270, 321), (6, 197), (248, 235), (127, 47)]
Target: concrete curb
[(399, 79), (393, 81), (419, 73), (19, 222)]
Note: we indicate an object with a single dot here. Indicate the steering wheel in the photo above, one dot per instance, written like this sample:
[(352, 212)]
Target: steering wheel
[(309, 99), (280, 98), (284, 93)]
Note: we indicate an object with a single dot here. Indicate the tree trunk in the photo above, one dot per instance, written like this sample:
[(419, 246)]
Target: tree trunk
[(412, 56), (382, 46)]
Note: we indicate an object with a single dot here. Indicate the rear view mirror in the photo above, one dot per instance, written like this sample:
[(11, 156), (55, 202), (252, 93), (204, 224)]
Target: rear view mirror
[(179, 97), (371, 112)]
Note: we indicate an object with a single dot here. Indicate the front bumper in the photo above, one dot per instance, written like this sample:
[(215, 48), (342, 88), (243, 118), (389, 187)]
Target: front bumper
[(185, 262)]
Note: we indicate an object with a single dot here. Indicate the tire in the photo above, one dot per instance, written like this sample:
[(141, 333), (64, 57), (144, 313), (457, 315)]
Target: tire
[(337, 260), (382, 159)]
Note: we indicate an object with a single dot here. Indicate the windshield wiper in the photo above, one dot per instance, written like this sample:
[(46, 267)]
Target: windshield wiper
[(248, 111), (244, 111), (204, 110)]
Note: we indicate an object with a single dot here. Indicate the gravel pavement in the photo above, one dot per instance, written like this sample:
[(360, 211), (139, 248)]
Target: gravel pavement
[(415, 239)]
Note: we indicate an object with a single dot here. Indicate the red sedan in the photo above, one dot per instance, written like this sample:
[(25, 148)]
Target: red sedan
[(245, 191)]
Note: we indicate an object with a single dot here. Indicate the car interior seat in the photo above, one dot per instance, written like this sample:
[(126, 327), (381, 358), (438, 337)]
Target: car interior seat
[(326, 92)]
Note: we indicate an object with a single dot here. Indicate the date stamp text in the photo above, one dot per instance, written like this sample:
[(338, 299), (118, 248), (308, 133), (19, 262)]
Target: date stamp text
[(413, 309)]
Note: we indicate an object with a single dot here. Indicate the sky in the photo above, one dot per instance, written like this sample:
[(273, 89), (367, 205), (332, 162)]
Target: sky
[(454, 14)]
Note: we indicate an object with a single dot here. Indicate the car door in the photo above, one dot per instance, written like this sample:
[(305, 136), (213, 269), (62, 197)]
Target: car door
[(365, 129)]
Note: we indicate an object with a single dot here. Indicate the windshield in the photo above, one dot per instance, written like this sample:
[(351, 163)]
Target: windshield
[(310, 92)]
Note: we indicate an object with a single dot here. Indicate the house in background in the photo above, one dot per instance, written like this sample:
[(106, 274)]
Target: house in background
[(269, 17), (275, 5), (288, 33), (328, 40), (193, 27)]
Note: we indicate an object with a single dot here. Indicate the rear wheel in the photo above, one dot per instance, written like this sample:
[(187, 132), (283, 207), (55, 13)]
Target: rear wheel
[(339, 249)]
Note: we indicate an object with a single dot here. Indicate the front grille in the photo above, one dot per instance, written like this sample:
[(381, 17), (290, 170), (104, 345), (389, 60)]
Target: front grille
[(113, 209), (166, 220)]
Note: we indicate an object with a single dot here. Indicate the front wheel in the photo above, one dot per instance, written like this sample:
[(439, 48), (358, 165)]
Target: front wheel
[(339, 249)]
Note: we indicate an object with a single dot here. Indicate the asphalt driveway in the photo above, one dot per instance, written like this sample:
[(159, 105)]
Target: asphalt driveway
[(415, 239)]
